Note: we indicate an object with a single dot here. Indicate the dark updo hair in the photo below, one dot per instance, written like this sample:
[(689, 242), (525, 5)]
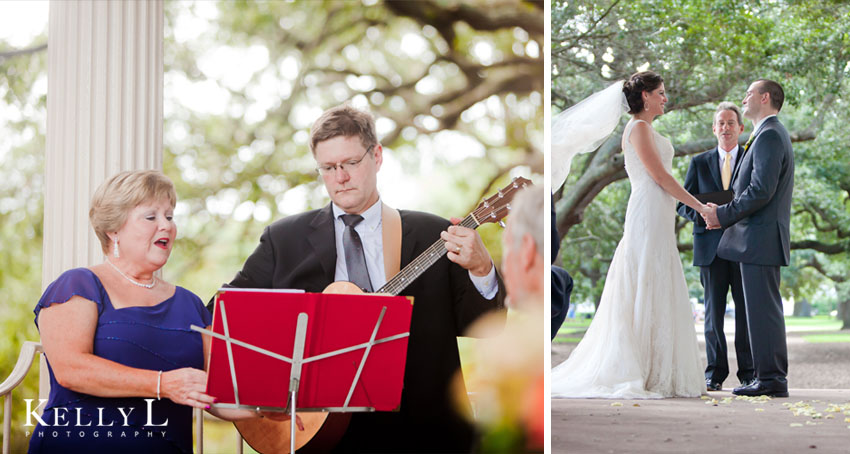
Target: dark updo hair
[(636, 85)]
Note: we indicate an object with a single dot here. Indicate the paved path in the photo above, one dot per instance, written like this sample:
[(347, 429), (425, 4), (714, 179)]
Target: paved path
[(693, 426), (817, 372)]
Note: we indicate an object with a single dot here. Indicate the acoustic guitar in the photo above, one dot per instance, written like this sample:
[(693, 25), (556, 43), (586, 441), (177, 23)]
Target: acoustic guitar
[(323, 430)]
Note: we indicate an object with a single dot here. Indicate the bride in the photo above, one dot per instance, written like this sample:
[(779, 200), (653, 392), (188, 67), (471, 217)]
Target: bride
[(641, 342)]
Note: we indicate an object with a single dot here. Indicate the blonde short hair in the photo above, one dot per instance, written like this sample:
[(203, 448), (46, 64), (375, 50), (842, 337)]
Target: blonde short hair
[(113, 200)]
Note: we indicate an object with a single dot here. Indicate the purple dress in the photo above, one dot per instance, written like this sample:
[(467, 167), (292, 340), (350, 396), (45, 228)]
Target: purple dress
[(155, 338)]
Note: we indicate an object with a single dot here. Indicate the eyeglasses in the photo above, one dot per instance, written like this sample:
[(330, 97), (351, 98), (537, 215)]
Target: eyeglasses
[(348, 166)]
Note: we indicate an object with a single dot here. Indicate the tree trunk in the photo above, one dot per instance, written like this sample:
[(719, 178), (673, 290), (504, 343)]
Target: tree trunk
[(802, 308), (844, 314)]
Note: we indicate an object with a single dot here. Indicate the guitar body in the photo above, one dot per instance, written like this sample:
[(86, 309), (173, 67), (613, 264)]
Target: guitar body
[(322, 431), (267, 436)]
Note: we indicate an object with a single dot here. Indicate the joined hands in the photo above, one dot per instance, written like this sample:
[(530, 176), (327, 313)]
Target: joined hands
[(709, 214)]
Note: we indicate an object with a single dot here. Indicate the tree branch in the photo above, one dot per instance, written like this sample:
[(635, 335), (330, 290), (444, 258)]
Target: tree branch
[(483, 19), (19, 52), (590, 28), (816, 264), (826, 248)]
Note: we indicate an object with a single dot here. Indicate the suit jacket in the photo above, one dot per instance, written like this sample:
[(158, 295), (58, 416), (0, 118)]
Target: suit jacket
[(561, 282), (299, 252), (758, 220), (562, 289), (704, 176)]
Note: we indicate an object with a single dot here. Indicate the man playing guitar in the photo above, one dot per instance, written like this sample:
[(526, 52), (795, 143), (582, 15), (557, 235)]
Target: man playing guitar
[(356, 238)]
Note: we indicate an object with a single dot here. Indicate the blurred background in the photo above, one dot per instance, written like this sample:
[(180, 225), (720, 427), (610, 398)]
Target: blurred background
[(456, 88)]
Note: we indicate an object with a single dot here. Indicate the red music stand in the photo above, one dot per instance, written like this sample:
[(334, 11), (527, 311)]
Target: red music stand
[(272, 349)]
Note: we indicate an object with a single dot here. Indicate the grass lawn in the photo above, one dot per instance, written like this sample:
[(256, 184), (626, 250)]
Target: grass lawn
[(566, 340), (575, 326), (572, 327), (816, 323), (827, 338)]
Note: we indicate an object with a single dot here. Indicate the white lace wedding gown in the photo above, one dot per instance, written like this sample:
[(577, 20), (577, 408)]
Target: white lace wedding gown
[(641, 342)]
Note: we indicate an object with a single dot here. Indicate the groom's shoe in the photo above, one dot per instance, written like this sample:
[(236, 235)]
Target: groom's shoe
[(758, 388), (713, 385), (747, 382)]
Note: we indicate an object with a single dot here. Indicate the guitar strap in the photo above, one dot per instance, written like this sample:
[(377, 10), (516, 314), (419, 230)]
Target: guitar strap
[(391, 239)]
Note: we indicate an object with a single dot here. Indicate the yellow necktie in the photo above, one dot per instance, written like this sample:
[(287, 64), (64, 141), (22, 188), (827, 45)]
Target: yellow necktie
[(726, 173)]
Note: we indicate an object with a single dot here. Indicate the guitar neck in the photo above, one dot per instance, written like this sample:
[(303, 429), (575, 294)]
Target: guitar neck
[(421, 264)]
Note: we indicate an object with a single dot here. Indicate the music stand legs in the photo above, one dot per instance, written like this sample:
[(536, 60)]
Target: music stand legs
[(292, 428), (295, 373)]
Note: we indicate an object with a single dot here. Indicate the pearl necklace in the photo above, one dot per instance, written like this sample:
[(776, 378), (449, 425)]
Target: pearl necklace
[(147, 286)]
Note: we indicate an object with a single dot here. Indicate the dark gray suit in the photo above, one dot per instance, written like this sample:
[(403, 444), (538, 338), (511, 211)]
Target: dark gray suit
[(717, 275), (757, 235)]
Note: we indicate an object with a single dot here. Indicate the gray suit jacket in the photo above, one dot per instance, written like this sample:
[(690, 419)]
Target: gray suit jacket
[(758, 220)]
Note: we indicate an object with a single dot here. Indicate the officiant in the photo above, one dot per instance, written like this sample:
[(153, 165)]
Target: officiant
[(711, 172)]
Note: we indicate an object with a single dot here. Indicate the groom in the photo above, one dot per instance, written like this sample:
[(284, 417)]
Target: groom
[(757, 233)]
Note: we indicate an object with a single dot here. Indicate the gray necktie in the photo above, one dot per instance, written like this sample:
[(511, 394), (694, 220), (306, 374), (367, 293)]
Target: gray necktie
[(355, 258)]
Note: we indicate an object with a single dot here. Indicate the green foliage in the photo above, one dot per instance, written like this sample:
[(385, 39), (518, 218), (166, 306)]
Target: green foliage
[(22, 90), (255, 157), (707, 52)]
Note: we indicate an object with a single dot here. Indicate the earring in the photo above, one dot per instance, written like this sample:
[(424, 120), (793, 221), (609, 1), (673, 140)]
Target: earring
[(115, 252)]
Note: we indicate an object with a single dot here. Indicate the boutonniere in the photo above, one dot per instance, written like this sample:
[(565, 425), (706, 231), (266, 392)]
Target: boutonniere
[(749, 141)]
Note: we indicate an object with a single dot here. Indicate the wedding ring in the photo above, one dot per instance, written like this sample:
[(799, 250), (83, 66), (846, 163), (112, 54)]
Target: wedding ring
[(457, 250)]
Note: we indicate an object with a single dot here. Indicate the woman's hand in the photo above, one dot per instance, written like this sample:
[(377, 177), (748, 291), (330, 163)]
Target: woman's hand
[(186, 386)]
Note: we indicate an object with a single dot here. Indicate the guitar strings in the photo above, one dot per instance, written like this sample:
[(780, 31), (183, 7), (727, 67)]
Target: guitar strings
[(434, 252)]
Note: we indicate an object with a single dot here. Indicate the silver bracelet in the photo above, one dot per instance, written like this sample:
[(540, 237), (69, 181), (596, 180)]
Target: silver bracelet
[(158, 384)]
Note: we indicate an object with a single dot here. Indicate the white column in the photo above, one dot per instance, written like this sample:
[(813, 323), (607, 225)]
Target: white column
[(104, 115)]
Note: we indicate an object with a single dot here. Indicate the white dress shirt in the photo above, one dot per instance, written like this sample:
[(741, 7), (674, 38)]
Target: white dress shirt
[(758, 125), (371, 235)]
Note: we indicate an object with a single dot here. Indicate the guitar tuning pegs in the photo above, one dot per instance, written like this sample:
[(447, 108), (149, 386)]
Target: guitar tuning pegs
[(500, 194), (502, 224), (486, 204)]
